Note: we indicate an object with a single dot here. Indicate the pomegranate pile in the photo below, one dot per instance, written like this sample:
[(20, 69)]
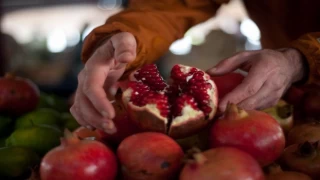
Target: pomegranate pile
[(165, 130)]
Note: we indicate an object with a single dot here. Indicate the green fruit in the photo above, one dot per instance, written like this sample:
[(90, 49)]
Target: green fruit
[(53, 101), (5, 125), (43, 116), (40, 138), (15, 161), (3, 142), (69, 121)]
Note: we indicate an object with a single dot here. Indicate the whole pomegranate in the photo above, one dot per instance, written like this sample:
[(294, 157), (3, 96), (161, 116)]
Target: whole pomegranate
[(252, 131), (275, 172), (180, 109), (17, 95), (79, 159), (304, 132), (294, 95), (221, 163), (149, 155), (303, 157), (311, 104), (226, 83)]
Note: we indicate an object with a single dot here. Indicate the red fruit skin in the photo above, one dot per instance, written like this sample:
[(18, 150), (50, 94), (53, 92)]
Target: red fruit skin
[(18, 95), (125, 126), (149, 155), (223, 163), (304, 132), (226, 83), (307, 164), (257, 134), (294, 96), (81, 161)]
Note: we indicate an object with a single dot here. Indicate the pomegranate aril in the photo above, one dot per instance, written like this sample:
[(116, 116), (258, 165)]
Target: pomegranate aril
[(160, 100), (181, 102), (150, 75), (138, 91)]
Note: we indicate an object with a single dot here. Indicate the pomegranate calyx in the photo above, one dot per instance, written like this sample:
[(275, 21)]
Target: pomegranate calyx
[(194, 156), (233, 112), (307, 149), (9, 75), (274, 169), (69, 138), (285, 111)]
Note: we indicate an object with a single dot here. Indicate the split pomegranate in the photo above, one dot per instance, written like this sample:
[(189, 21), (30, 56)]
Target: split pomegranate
[(180, 109), (304, 157), (124, 125), (304, 132), (17, 95), (226, 83), (79, 159), (283, 113), (149, 155), (221, 163), (252, 131), (275, 172)]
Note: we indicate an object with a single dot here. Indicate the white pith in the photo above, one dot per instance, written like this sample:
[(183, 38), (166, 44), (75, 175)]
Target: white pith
[(187, 112), (126, 98)]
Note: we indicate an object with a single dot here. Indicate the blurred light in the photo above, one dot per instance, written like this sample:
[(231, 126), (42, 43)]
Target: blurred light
[(249, 29), (229, 25), (197, 37), (109, 4), (87, 31), (73, 37), (252, 45), (57, 41), (182, 46)]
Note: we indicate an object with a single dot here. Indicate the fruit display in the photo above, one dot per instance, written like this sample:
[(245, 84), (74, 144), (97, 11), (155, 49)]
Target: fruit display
[(165, 130)]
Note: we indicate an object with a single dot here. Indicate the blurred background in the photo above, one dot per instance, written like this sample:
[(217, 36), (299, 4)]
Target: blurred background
[(42, 39)]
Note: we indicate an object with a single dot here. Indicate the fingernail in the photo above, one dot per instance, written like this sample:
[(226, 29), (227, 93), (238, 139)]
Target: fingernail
[(109, 127), (105, 114)]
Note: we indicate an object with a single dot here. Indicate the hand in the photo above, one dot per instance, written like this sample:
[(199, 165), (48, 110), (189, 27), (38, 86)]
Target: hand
[(270, 74), (92, 107)]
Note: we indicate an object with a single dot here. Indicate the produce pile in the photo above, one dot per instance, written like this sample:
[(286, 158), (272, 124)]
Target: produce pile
[(165, 130)]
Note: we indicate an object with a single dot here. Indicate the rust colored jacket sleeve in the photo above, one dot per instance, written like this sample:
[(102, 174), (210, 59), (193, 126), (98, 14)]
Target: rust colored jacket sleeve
[(309, 45), (155, 25)]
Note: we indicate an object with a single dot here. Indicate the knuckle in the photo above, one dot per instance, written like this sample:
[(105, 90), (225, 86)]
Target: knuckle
[(251, 90), (251, 104)]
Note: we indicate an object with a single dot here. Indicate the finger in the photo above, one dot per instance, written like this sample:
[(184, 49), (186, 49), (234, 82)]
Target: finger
[(90, 114), (250, 86), (125, 46), (74, 110), (98, 67), (231, 64)]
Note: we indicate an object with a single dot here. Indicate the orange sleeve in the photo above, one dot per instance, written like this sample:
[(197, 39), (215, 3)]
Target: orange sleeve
[(155, 25), (309, 46)]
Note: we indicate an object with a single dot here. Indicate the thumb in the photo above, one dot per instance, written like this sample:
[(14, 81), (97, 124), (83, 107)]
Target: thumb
[(124, 45), (230, 64)]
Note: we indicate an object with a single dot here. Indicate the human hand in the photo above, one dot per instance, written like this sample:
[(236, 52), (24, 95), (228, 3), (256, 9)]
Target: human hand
[(270, 74), (103, 69)]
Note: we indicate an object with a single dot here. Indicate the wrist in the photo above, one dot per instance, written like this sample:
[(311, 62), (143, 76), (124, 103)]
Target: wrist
[(297, 62)]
